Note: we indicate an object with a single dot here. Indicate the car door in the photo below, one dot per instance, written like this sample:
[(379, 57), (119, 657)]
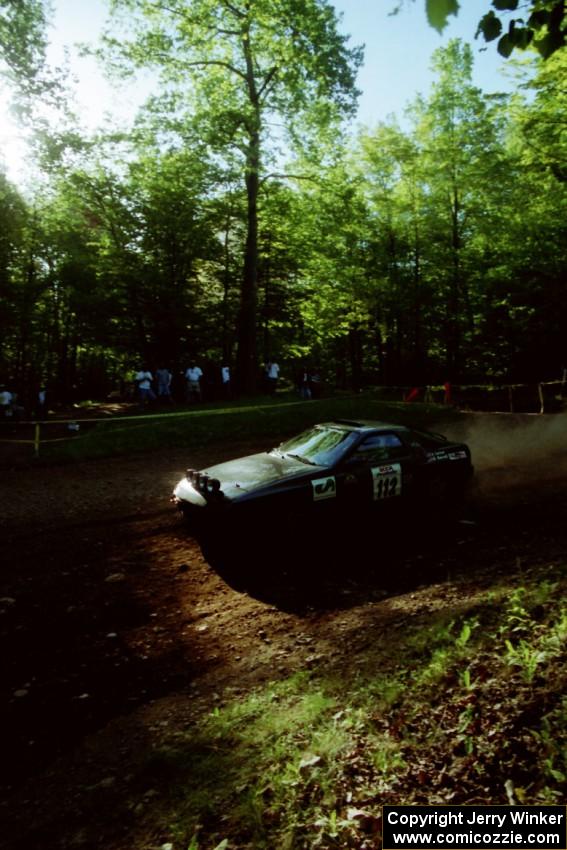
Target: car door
[(378, 471)]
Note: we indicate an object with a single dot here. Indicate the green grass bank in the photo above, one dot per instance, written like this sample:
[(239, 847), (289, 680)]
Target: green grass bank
[(213, 424)]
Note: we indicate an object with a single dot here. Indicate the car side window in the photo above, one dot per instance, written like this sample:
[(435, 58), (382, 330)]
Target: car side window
[(378, 448)]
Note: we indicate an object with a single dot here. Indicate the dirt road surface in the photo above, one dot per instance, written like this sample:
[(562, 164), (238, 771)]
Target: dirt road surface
[(116, 632)]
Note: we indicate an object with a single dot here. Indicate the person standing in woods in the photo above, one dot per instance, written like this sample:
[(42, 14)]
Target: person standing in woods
[(6, 399), (225, 377), (193, 377), (41, 409), (304, 383), (163, 377), (144, 380), (272, 375)]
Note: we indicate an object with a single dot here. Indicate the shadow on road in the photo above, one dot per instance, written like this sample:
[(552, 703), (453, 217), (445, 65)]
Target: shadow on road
[(350, 566), (305, 574)]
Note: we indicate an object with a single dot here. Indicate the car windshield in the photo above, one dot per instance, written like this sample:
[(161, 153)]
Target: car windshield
[(321, 446)]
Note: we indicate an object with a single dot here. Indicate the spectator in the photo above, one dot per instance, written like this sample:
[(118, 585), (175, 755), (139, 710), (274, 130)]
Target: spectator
[(315, 384), (305, 384), (225, 377), (272, 375), (193, 377), (163, 377), (144, 380), (41, 410), (6, 400)]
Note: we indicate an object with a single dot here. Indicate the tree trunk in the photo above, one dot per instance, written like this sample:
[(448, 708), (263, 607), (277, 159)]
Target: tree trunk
[(355, 355), (247, 358), (454, 302), (247, 354), (226, 341)]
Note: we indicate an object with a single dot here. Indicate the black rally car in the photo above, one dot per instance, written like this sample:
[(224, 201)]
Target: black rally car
[(325, 474)]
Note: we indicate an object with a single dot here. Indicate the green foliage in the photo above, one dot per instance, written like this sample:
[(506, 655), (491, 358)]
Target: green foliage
[(438, 11), (246, 65), (525, 656), (406, 257), (23, 42), (551, 739), (532, 643), (543, 28)]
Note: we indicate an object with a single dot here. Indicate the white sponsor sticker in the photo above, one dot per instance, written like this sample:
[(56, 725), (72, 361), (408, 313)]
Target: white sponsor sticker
[(387, 481), (324, 488), (460, 455)]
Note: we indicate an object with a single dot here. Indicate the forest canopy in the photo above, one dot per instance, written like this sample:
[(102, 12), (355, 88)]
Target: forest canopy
[(240, 221)]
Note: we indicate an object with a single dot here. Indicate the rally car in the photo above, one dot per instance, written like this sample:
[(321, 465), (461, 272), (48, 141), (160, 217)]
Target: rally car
[(327, 474)]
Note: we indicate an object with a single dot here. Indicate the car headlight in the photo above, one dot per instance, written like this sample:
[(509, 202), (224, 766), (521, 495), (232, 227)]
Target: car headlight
[(202, 483)]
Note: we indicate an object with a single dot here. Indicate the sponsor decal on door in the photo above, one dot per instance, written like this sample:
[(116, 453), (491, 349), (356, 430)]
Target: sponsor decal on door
[(324, 488)]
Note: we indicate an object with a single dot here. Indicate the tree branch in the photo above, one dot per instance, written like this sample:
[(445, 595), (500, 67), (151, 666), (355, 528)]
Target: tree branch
[(200, 63), (183, 14), (163, 7), (203, 62), (234, 9), (267, 81), (275, 174)]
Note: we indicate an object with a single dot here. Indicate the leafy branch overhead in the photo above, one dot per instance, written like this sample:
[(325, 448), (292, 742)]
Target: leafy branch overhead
[(540, 24), (23, 66), (22, 44)]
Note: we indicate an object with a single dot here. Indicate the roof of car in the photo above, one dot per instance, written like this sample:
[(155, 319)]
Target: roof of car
[(362, 425)]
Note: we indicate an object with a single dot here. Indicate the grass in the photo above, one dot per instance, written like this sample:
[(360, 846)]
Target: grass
[(206, 425), (447, 713)]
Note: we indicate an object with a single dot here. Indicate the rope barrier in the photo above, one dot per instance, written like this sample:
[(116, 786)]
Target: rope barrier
[(36, 424), (172, 415)]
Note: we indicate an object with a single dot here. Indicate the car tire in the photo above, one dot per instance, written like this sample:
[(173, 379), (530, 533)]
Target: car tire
[(444, 499), (438, 492)]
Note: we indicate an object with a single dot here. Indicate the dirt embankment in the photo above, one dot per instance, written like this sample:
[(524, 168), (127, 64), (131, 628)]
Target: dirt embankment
[(116, 632)]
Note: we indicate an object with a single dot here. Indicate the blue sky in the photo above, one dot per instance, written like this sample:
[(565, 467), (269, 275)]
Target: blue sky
[(398, 51)]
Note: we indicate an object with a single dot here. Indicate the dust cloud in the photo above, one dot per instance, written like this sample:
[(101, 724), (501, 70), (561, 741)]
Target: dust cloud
[(499, 439), (514, 451)]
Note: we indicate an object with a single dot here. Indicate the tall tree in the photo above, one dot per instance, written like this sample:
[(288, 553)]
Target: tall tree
[(461, 148), (396, 187), (541, 123), (251, 64), (13, 220)]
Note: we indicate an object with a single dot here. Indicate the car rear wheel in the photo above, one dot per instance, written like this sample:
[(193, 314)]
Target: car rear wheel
[(444, 498), (438, 492)]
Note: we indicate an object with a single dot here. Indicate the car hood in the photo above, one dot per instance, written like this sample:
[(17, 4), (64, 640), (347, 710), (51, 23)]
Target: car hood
[(257, 471)]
